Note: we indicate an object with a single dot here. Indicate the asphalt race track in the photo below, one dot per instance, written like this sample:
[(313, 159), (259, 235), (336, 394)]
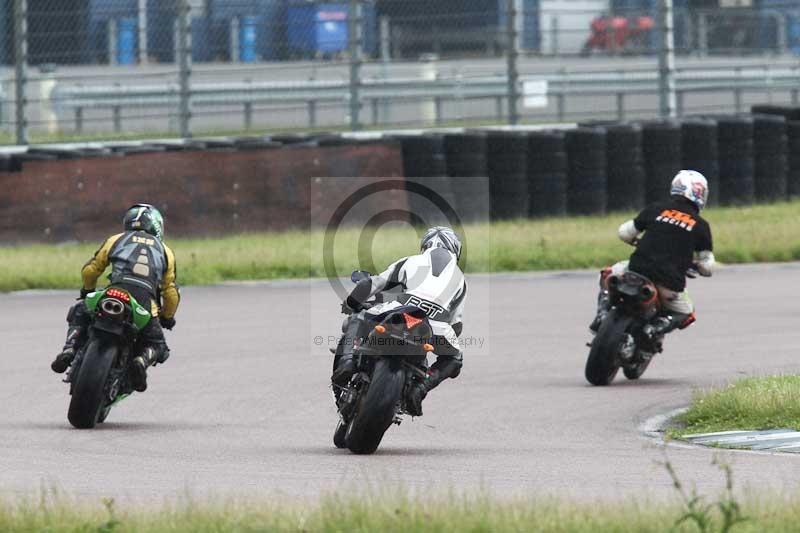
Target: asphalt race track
[(243, 406)]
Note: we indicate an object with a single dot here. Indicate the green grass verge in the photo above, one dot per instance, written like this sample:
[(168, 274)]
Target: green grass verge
[(771, 402), (401, 514), (740, 234)]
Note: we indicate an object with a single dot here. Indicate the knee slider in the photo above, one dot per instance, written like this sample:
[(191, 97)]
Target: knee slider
[(688, 321)]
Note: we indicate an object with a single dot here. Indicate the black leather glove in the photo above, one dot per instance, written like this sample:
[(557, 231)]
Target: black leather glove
[(353, 304), (166, 323), (346, 309), (84, 293)]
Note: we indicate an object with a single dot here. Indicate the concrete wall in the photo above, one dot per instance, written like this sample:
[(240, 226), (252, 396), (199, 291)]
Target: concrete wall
[(200, 192)]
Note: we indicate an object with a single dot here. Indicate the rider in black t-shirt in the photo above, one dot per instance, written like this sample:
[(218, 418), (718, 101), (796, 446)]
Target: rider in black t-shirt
[(676, 241)]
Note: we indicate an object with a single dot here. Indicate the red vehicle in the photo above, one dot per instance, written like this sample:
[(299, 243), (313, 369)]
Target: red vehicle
[(616, 34)]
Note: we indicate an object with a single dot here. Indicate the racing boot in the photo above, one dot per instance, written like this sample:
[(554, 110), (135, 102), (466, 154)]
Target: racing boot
[(344, 366), (603, 307), (138, 373), (658, 328), (414, 398), (64, 359)]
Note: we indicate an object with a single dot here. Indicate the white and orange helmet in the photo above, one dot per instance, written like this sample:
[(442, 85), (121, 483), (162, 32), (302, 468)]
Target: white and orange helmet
[(691, 185)]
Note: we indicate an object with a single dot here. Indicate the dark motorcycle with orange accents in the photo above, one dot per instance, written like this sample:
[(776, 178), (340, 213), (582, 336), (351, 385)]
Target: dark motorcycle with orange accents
[(620, 341), (389, 360)]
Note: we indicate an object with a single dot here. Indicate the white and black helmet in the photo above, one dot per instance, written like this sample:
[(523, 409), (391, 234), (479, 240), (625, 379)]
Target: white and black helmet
[(691, 185), (441, 237)]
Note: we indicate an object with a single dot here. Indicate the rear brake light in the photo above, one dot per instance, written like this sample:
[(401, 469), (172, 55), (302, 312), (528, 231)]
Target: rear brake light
[(119, 295), (411, 321)]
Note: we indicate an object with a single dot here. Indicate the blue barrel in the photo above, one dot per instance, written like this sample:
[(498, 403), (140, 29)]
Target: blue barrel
[(330, 28), (248, 39), (127, 29), (531, 35), (323, 28), (100, 12), (270, 39)]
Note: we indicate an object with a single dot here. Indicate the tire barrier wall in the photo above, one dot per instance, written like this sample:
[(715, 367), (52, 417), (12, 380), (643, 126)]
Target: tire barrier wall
[(792, 116), (547, 173), (662, 148), (770, 154), (587, 182), (424, 162), (793, 171), (701, 152), (468, 168), (626, 174), (508, 178), (204, 189), (607, 166), (736, 163)]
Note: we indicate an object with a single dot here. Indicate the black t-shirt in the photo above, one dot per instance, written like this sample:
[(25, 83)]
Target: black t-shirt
[(674, 231)]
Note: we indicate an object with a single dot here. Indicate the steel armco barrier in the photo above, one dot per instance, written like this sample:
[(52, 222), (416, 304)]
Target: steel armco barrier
[(69, 101)]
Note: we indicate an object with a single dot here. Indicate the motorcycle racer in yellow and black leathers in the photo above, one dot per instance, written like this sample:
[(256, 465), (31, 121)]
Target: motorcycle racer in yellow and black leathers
[(142, 265)]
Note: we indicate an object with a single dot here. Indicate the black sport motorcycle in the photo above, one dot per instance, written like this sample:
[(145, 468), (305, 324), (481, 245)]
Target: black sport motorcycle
[(98, 376), (621, 340), (389, 359)]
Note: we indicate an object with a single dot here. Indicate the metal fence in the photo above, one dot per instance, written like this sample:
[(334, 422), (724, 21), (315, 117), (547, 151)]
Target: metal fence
[(165, 67)]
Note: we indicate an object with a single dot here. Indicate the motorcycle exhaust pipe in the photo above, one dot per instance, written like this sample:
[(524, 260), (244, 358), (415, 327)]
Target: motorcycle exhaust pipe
[(112, 307)]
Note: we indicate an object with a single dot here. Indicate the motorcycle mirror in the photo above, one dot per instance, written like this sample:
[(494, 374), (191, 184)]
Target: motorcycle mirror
[(358, 275)]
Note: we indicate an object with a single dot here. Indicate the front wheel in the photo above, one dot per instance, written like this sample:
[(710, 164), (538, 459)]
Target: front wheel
[(602, 365), (88, 398), (376, 409), (103, 414), (339, 435)]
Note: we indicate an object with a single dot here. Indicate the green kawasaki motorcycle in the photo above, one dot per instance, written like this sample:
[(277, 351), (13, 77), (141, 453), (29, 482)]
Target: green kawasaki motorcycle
[(98, 377)]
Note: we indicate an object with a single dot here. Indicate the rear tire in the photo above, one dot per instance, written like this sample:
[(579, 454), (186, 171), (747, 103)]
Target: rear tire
[(88, 399), (601, 366), (377, 409)]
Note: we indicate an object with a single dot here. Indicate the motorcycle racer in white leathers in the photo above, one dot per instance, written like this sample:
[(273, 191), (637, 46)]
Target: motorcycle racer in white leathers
[(432, 281)]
